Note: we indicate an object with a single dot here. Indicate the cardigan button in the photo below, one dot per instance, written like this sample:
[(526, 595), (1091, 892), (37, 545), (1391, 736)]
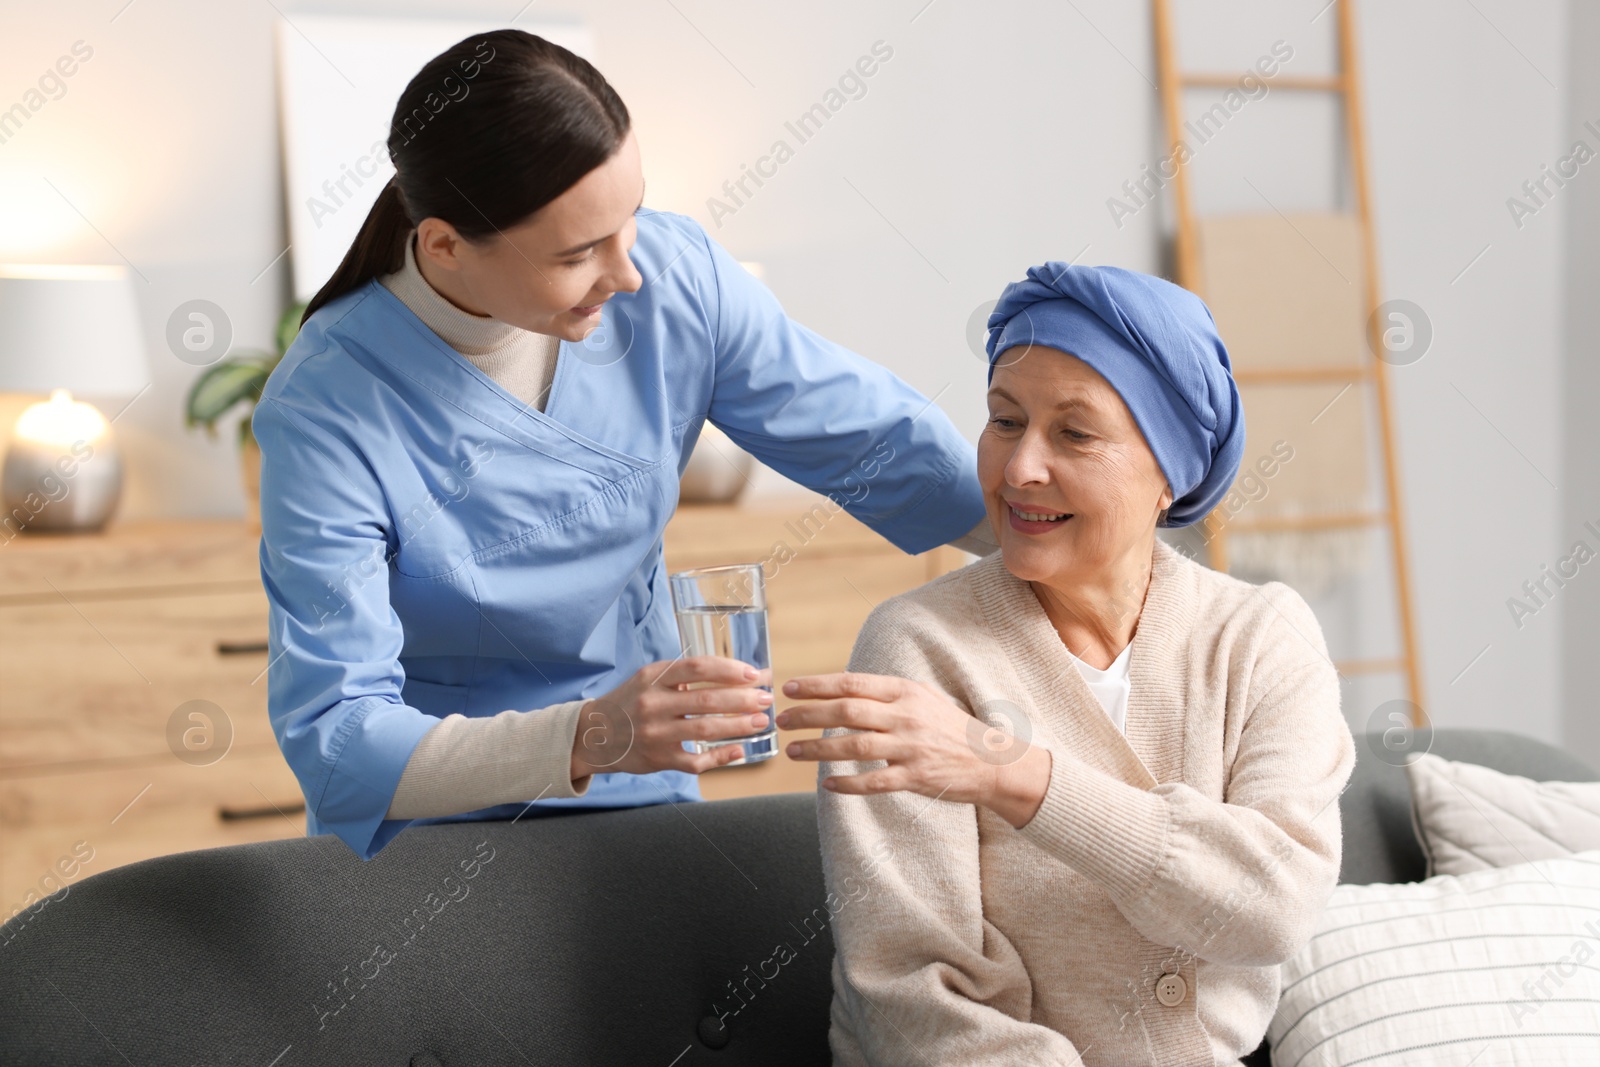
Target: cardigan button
[(1171, 989), (713, 1032)]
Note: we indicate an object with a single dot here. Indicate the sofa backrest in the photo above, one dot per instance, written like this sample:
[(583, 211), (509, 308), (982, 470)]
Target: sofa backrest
[(608, 937)]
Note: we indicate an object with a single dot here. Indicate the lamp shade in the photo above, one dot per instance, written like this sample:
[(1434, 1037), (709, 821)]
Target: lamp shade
[(70, 327)]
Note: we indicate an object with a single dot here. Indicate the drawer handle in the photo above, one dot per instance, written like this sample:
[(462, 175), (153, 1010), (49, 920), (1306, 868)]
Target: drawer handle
[(240, 648), (228, 814)]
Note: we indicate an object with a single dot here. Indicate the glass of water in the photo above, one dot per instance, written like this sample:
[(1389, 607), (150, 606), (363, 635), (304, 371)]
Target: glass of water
[(722, 611)]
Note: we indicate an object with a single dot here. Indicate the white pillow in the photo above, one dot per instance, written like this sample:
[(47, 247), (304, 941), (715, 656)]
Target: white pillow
[(1471, 818), (1500, 966)]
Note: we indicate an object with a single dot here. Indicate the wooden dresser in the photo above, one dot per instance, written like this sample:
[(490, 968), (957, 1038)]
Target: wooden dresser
[(133, 715)]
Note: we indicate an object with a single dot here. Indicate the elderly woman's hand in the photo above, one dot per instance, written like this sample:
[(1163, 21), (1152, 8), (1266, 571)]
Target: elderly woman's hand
[(932, 747)]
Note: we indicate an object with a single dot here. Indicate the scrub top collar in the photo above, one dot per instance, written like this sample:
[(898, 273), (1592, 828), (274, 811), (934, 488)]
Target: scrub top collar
[(490, 404)]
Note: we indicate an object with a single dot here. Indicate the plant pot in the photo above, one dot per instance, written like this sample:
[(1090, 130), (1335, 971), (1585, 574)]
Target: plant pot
[(250, 479)]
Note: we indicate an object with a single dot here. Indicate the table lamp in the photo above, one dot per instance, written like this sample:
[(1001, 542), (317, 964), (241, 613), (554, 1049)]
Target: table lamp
[(65, 330)]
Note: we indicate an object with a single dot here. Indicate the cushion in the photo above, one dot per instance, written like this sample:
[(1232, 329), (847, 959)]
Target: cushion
[(1470, 818), (1380, 844), (1445, 970)]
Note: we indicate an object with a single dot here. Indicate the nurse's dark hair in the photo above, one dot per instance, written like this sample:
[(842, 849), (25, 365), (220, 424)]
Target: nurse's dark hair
[(488, 132)]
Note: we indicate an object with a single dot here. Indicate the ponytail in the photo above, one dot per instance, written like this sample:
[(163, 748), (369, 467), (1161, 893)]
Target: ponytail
[(378, 249), (488, 132)]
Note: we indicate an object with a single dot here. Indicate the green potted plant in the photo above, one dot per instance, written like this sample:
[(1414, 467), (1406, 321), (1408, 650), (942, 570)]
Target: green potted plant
[(239, 379)]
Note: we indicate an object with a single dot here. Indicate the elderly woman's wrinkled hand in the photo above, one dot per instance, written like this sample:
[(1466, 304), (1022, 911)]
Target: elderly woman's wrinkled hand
[(927, 741)]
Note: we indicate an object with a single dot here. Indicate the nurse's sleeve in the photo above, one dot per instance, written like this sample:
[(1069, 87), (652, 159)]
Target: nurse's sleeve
[(334, 676), (835, 421), (468, 763)]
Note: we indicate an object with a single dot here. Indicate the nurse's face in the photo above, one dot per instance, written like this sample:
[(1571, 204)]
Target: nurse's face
[(552, 272), (1061, 441)]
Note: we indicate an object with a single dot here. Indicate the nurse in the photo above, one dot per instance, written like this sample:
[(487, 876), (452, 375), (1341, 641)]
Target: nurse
[(472, 448)]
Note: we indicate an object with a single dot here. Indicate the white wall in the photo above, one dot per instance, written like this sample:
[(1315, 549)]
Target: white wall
[(990, 141), (1462, 112), (1580, 605)]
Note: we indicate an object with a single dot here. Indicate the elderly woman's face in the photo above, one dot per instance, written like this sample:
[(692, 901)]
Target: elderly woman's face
[(1061, 441)]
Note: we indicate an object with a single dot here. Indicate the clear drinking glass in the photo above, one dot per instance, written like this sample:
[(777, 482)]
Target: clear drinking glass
[(722, 611)]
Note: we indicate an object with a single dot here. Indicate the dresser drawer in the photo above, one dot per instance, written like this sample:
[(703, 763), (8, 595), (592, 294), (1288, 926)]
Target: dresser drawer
[(137, 812), (806, 525), (100, 678)]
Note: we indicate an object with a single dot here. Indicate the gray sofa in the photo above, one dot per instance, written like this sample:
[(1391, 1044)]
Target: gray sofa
[(605, 938)]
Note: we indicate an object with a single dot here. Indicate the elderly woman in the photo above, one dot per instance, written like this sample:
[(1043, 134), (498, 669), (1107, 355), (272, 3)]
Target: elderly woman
[(1079, 796)]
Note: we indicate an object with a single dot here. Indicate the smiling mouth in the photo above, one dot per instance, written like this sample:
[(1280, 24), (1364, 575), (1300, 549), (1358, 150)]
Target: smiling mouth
[(1041, 517)]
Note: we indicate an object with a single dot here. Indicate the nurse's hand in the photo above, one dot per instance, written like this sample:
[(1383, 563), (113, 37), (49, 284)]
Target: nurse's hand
[(929, 744), (640, 726)]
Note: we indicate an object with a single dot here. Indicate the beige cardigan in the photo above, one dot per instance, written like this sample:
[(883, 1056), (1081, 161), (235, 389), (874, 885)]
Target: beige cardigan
[(1203, 843)]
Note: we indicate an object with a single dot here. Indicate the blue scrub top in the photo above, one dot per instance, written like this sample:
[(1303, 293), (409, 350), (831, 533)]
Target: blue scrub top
[(430, 545)]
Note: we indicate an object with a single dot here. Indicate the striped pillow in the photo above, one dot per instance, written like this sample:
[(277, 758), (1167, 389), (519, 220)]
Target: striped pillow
[(1501, 963)]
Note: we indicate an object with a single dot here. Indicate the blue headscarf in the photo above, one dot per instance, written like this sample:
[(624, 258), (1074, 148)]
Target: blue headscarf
[(1157, 345)]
